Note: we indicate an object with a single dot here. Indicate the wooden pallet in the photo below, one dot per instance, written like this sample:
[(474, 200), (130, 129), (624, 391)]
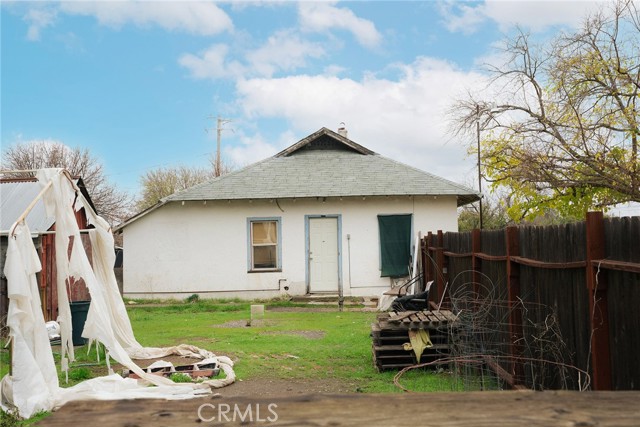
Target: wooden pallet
[(391, 331), (195, 371)]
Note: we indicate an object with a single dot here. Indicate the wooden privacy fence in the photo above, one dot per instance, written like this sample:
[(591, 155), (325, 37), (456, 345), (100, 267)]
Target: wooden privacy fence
[(588, 273)]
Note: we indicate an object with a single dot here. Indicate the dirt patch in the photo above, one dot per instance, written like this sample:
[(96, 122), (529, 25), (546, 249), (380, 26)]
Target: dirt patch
[(269, 387), (312, 335), (245, 324), (233, 324), (261, 387), (308, 308)]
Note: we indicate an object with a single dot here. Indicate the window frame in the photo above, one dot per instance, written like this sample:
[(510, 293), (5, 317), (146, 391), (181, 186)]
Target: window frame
[(250, 244)]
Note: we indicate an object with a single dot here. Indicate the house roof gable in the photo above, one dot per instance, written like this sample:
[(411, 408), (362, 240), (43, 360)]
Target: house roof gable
[(323, 139), (324, 164)]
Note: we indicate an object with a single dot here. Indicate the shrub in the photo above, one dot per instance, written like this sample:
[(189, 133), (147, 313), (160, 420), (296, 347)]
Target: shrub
[(193, 298)]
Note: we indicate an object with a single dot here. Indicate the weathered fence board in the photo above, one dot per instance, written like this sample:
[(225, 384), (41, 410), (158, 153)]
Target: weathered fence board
[(587, 273)]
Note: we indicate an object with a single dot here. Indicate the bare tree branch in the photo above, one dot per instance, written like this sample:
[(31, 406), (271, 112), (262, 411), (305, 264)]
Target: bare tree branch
[(112, 204), (561, 122)]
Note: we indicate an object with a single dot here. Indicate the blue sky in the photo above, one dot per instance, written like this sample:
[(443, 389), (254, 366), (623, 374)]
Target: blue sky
[(136, 82)]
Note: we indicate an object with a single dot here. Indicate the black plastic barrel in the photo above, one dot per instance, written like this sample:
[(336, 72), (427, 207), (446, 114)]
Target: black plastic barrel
[(79, 310)]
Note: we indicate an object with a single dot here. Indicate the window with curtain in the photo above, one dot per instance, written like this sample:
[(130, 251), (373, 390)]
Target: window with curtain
[(264, 240), (395, 245)]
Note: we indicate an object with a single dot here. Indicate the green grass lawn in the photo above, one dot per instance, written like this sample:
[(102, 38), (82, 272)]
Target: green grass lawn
[(303, 344)]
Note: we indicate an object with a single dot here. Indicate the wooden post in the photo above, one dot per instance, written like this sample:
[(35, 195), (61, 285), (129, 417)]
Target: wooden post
[(598, 304), (429, 267), (424, 261), (512, 237), (476, 262), (441, 267)]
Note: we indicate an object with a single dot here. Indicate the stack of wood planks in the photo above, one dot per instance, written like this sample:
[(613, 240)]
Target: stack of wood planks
[(390, 333)]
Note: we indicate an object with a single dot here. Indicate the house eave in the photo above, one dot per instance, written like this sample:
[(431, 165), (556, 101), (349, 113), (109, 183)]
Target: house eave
[(139, 215)]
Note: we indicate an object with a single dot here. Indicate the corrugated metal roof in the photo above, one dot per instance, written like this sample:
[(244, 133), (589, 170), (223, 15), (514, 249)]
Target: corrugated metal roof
[(14, 199)]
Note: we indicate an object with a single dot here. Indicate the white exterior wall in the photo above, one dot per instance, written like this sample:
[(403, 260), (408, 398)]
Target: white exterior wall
[(197, 248)]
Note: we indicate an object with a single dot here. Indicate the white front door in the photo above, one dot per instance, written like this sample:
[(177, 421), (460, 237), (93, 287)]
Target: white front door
[(323, 255)]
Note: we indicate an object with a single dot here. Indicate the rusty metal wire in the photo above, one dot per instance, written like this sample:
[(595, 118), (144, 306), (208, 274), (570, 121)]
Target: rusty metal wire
[(496, 344)]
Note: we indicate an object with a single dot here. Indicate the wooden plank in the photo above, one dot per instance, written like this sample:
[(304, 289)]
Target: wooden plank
[(383, 316), (436, 316), (402, 315), (444, 315), (388, 326), (447, 315), (490, 257), (545, 264), (420, 325), (405, 326), (448, 409), (631, 267), (401, 348)]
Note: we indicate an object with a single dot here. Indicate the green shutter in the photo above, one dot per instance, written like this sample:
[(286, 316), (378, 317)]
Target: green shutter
[(395, 244)]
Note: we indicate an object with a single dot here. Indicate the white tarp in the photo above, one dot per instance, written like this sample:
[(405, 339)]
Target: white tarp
[(33, 385)]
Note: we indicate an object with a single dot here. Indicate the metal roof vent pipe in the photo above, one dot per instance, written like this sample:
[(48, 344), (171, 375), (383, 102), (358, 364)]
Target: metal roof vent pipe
[(342, 130)]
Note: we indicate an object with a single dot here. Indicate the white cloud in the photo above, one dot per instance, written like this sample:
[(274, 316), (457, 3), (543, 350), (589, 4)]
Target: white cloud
[(254, 148), (334, 69), (284, 50), (403, 119), (202, 18), (323, 16), (466, 20), (537, 15), (211, 63), (38, 19), (530, 14)]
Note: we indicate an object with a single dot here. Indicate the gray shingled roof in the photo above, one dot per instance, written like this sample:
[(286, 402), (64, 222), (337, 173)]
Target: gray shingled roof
[(324, 165)]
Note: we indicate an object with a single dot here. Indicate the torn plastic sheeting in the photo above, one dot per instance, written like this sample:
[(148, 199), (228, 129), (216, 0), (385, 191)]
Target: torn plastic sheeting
[(35, 378), (34, 387)]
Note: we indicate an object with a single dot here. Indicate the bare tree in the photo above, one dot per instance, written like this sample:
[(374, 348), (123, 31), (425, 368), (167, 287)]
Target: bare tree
[(162, 182), (561, 126), (221, 167), (112, 204)]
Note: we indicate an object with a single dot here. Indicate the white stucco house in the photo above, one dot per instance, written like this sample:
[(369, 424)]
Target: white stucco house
[(324, 213)]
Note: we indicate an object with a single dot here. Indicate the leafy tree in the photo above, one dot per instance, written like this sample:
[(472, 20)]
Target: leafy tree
[(112, 204), (560, 121), (494, 215)]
